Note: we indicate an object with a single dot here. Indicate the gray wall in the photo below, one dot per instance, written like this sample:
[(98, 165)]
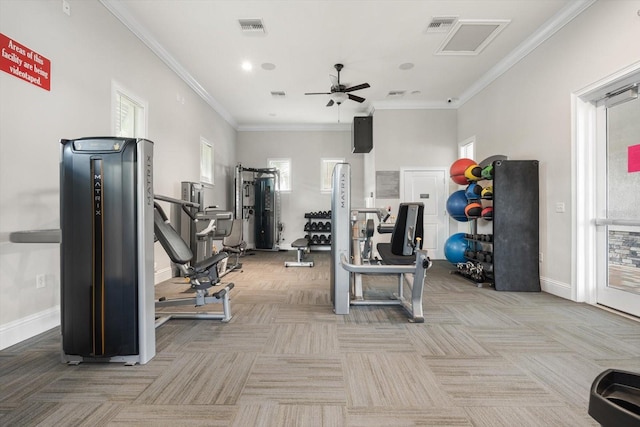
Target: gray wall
[(526, 114), (305, 149), (87, 50)]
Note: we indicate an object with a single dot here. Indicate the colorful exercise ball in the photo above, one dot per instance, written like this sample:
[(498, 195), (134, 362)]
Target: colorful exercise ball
[(454, 248), (487, 172), (473, 210), (473, 172), (473, 191), (487, 192), (487, 213), (457, 170), (456, 203)]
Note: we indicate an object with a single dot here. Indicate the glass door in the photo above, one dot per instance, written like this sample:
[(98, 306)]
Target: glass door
[(618, 206)]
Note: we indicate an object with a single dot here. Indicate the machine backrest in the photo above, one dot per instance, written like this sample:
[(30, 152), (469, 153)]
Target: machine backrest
[(234, 238), (177, 249), (409, 226)]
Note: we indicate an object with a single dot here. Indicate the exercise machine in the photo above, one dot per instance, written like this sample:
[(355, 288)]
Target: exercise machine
[(106, 250), (199, 224), (202, 275), (257, 203), (347, 266)]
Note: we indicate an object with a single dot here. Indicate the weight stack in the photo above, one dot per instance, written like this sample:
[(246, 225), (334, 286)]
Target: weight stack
[(516, 225), (106, 252)]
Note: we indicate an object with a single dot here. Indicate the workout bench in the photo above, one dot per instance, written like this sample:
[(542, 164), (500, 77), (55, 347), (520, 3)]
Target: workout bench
[(302, 245)]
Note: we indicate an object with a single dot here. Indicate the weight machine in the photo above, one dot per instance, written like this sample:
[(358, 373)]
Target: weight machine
[(348, 265), (257, 203)]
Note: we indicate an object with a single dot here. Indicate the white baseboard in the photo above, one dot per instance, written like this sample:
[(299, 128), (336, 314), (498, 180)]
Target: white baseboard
[(162, 275), (27, 327), (554, 287)]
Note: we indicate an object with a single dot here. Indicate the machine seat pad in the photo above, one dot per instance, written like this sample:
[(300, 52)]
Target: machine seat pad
[(206, 264), (384, 249), (300, 243)]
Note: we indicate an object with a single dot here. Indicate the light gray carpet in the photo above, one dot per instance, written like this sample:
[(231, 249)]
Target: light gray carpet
[(482, 358)]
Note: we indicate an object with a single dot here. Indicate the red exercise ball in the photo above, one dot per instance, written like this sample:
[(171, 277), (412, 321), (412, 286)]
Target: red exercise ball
[(473, 210), (457, 170)]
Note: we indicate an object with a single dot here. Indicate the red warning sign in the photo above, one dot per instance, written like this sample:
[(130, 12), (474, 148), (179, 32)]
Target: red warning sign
[(22, 62)]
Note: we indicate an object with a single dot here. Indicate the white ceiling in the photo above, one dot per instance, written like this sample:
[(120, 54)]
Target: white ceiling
[(202, 41)]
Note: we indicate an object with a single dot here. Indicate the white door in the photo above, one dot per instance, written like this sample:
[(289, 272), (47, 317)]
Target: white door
[(429, 187), (618, 197)]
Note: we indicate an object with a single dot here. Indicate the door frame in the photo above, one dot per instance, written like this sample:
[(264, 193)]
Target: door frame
[(444, 188), (584, 137)]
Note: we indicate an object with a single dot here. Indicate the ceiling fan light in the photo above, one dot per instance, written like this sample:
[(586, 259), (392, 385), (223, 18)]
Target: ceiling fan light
[(339, 97)]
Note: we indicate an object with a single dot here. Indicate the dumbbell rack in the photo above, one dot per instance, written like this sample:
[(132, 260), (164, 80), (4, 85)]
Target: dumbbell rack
[(318, 229)]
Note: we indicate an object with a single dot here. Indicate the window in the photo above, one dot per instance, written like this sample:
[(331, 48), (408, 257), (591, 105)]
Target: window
[(206, 161), (466, 148), (284, 167), (129, 113), (326, 171)]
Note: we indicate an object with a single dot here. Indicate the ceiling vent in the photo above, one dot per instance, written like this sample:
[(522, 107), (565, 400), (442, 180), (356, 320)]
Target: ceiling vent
[(441, 24), (278, 93), (252, 26), (470, 37), (396, 93)]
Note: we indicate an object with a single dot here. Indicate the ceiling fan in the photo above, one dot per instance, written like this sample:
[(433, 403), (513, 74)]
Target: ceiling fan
[(339, 92)]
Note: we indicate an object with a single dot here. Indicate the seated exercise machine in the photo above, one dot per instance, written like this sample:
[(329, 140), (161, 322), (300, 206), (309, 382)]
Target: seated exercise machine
[(233, 244), (202, 275), (200, 224), (407, 260)]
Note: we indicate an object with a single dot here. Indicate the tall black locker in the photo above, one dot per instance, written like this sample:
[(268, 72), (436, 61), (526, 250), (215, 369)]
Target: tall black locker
[(516, 225), (106, 252), (265, 212)]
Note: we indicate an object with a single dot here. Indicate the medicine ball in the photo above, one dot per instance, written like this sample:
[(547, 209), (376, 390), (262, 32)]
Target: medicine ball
[(473, 191), (456, 203), (457, 170), (487, 172), (454, 248), (487, 192), (473, 172), (487, 213), (473, 210)]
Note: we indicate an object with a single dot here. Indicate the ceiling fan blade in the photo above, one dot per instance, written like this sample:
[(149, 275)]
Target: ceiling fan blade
[(357, 87), (318, 93), (356, 98), (330, 103)]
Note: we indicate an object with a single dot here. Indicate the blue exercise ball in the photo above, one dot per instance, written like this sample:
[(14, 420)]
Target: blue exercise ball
[(456, 203), (454, 248)]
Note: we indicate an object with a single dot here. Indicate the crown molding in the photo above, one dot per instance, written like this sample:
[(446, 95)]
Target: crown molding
[(123, 15), (548, 29), (310, 127)]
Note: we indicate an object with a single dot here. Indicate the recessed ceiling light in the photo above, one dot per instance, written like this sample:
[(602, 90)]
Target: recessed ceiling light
[(247, 66), (268, 66), (406, 66)]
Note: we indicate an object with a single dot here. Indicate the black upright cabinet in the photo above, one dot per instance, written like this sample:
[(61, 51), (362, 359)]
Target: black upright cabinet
[(516, 226)]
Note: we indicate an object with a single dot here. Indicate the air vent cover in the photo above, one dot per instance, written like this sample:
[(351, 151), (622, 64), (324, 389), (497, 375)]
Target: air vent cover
[(470, 37), (278, 93), (252, 26), (396, 93), (441, 24)]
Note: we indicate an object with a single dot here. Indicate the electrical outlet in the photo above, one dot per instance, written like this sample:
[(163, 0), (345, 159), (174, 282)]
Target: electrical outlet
[(540, 257), (66, 7), (41, 281)]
